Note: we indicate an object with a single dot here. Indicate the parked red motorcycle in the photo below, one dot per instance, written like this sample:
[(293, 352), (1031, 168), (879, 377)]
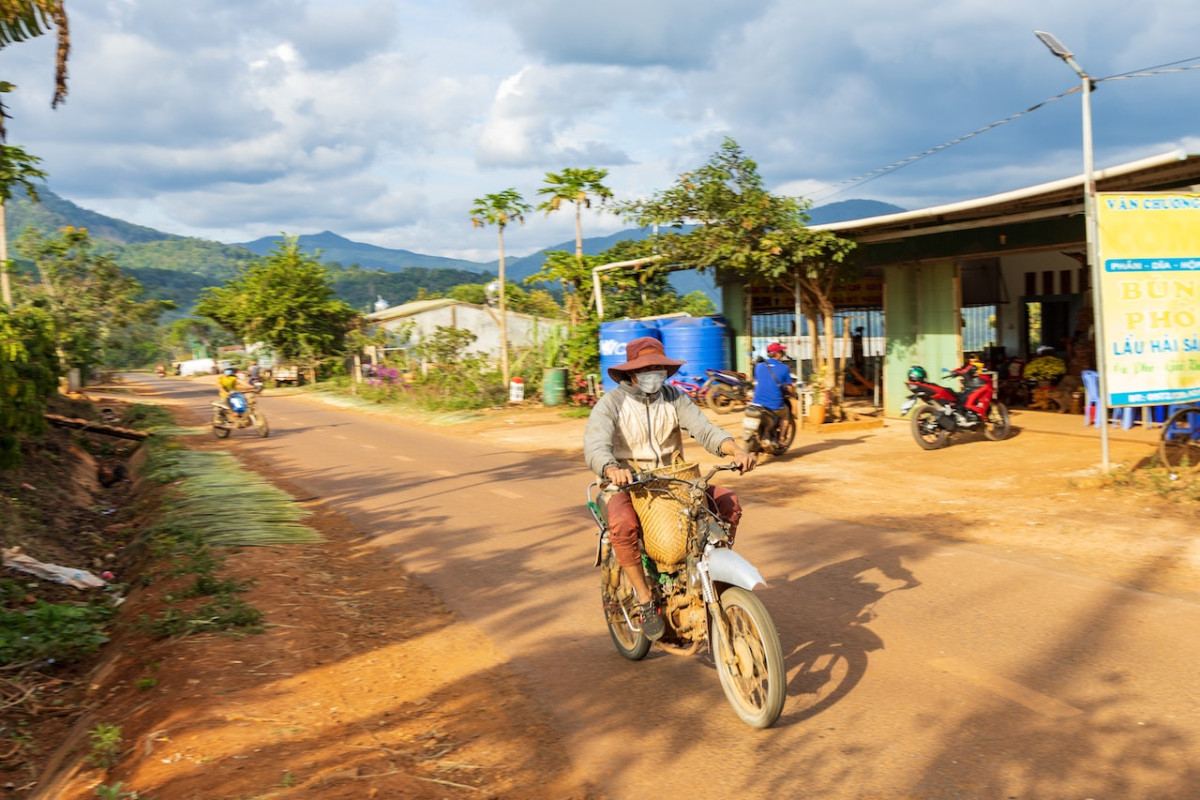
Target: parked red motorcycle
[(938, 411)]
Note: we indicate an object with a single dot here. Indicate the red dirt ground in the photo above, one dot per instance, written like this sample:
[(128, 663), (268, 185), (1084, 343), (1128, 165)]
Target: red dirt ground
[(361, 686)]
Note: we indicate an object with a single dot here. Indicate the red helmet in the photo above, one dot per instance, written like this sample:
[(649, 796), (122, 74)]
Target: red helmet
[(774, 347)]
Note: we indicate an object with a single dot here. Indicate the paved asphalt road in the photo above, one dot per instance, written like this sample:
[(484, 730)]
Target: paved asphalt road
[(917, 668)]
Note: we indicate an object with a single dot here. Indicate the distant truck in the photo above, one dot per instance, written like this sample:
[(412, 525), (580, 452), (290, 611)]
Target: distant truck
[(286, 374)]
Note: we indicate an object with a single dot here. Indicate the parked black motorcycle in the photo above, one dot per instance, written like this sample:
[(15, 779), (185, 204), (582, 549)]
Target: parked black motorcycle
[(726, 390)]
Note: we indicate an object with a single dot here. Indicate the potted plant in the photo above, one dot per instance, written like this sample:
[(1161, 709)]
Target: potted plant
[(819, 390)]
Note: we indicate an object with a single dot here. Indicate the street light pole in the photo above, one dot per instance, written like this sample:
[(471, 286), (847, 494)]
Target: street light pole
[(1090, 231)]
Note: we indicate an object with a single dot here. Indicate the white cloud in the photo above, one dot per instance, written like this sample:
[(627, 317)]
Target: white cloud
[(383, 119)]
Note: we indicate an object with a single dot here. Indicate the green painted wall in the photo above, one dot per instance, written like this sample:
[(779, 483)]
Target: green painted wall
[(923, 325), (733, 307)]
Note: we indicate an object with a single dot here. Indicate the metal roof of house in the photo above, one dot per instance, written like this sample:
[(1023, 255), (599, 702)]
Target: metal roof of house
[(421, 306), (1177, 170)]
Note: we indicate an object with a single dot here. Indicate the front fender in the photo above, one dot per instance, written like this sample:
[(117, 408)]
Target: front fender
[(726, 566)]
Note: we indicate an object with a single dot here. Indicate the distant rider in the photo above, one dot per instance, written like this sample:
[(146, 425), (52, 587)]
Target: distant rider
[(773, 386), (229, 385), (637, 427)]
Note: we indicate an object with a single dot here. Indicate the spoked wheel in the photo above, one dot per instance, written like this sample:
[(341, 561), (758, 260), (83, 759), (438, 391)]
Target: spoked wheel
[(997, 425), (751, 664), (619, 601), (721, 399), (260, 423), (220, 425), (785, 434), (925, 428), (1179, 449)]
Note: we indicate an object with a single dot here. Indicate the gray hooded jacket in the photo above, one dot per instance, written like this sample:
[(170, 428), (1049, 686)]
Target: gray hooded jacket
[(631, 429)]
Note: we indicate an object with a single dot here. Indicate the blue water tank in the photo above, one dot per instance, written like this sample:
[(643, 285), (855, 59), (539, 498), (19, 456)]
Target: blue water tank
[(703, 342), (613, 338)]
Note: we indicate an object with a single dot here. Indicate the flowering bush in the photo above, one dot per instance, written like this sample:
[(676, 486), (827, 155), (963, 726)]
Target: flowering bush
[(385, 382), (1045, 368)]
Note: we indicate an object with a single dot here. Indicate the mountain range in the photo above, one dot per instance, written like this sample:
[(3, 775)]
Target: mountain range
[(178, 267)]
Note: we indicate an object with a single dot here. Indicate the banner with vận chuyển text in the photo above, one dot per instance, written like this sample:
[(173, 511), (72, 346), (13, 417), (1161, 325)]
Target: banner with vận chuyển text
[(1149, 251)]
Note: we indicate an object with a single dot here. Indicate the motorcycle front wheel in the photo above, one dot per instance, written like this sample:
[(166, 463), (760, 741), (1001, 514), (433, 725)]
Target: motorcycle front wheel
[(925, 428), (750, 666), (260, 424), (721, 399), (220, 425), (997, 424), (619, 599)]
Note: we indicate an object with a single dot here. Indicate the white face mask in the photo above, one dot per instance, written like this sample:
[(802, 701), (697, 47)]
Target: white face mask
[(651, 382)]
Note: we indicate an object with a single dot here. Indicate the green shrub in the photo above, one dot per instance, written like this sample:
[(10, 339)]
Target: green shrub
[(56, 632)]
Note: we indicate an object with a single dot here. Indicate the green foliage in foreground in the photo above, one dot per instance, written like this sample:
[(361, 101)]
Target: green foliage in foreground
[(52, 632), (28, 378)]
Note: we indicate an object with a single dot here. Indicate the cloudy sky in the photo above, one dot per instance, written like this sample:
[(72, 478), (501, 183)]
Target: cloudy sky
[(382, 120)]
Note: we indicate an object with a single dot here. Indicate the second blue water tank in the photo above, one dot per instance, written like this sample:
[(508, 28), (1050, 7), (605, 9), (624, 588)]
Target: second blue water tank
[(703, 342)]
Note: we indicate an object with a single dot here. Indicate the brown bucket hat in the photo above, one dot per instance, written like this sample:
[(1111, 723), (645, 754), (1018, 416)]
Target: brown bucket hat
[(645, 351)]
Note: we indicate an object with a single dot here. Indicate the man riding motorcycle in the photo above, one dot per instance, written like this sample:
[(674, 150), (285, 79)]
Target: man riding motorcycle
[(637, 427), (773, 386)]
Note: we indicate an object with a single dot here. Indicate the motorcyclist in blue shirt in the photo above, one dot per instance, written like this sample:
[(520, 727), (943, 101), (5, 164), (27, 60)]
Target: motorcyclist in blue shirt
[(773, 386)]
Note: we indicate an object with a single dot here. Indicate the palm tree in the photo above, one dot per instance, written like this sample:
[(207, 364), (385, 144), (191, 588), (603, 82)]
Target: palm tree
[(25, 19), (21, 20), (576, 186), (500, 209)]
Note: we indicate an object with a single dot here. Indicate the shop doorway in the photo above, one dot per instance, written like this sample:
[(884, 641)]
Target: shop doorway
[(1049, 320)]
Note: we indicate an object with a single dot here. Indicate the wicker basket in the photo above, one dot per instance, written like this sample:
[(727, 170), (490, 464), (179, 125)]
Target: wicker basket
[(664, 514)]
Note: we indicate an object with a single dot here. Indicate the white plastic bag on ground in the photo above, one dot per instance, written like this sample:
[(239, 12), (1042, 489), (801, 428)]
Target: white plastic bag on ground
[(79, 578)]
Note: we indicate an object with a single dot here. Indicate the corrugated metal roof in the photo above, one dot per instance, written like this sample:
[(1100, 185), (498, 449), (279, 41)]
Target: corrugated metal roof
[(1177, 170), (421, 306)]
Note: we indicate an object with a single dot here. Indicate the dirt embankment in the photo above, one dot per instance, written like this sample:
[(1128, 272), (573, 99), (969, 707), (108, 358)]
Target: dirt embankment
[(362, 685)]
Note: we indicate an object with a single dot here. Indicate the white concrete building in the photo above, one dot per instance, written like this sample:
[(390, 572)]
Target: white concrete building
[(523, 331)]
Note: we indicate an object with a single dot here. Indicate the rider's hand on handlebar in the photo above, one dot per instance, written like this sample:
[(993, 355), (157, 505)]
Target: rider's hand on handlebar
[(745, 461), (618, 476)]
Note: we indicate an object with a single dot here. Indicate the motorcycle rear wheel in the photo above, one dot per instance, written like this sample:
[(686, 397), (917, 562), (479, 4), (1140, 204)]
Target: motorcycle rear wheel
[(751, 666), (997, 424), (721, 399), (260, 424), (925, 428), (783, 440), (221, 425), (617, 594)]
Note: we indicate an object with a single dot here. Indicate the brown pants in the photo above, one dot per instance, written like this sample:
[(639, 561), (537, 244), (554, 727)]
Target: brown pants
[(624, 528)]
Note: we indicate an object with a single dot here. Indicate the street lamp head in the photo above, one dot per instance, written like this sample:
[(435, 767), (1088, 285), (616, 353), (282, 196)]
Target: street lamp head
[(1051, 41)]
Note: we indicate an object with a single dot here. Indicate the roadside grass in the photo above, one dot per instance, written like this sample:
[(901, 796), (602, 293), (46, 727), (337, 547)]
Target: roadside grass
[(1178, 486), (214, 504)]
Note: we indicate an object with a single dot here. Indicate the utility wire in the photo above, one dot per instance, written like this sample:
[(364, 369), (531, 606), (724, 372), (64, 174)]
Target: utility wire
[(867, 177)]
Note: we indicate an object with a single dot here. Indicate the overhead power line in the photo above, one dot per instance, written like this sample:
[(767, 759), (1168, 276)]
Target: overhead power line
[(867, 177)]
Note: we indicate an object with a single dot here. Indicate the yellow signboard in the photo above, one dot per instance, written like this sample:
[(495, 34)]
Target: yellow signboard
[(1149, 251)]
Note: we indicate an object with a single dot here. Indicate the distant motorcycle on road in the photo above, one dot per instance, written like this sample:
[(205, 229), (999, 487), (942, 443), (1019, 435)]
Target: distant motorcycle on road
[(767, 431), (236, 412)]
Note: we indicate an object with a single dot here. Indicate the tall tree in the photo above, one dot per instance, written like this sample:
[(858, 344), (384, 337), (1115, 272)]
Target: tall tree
[(286, 301), (86, 294), (578, 187), (744, 232), (500, 209), (17, 169)]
